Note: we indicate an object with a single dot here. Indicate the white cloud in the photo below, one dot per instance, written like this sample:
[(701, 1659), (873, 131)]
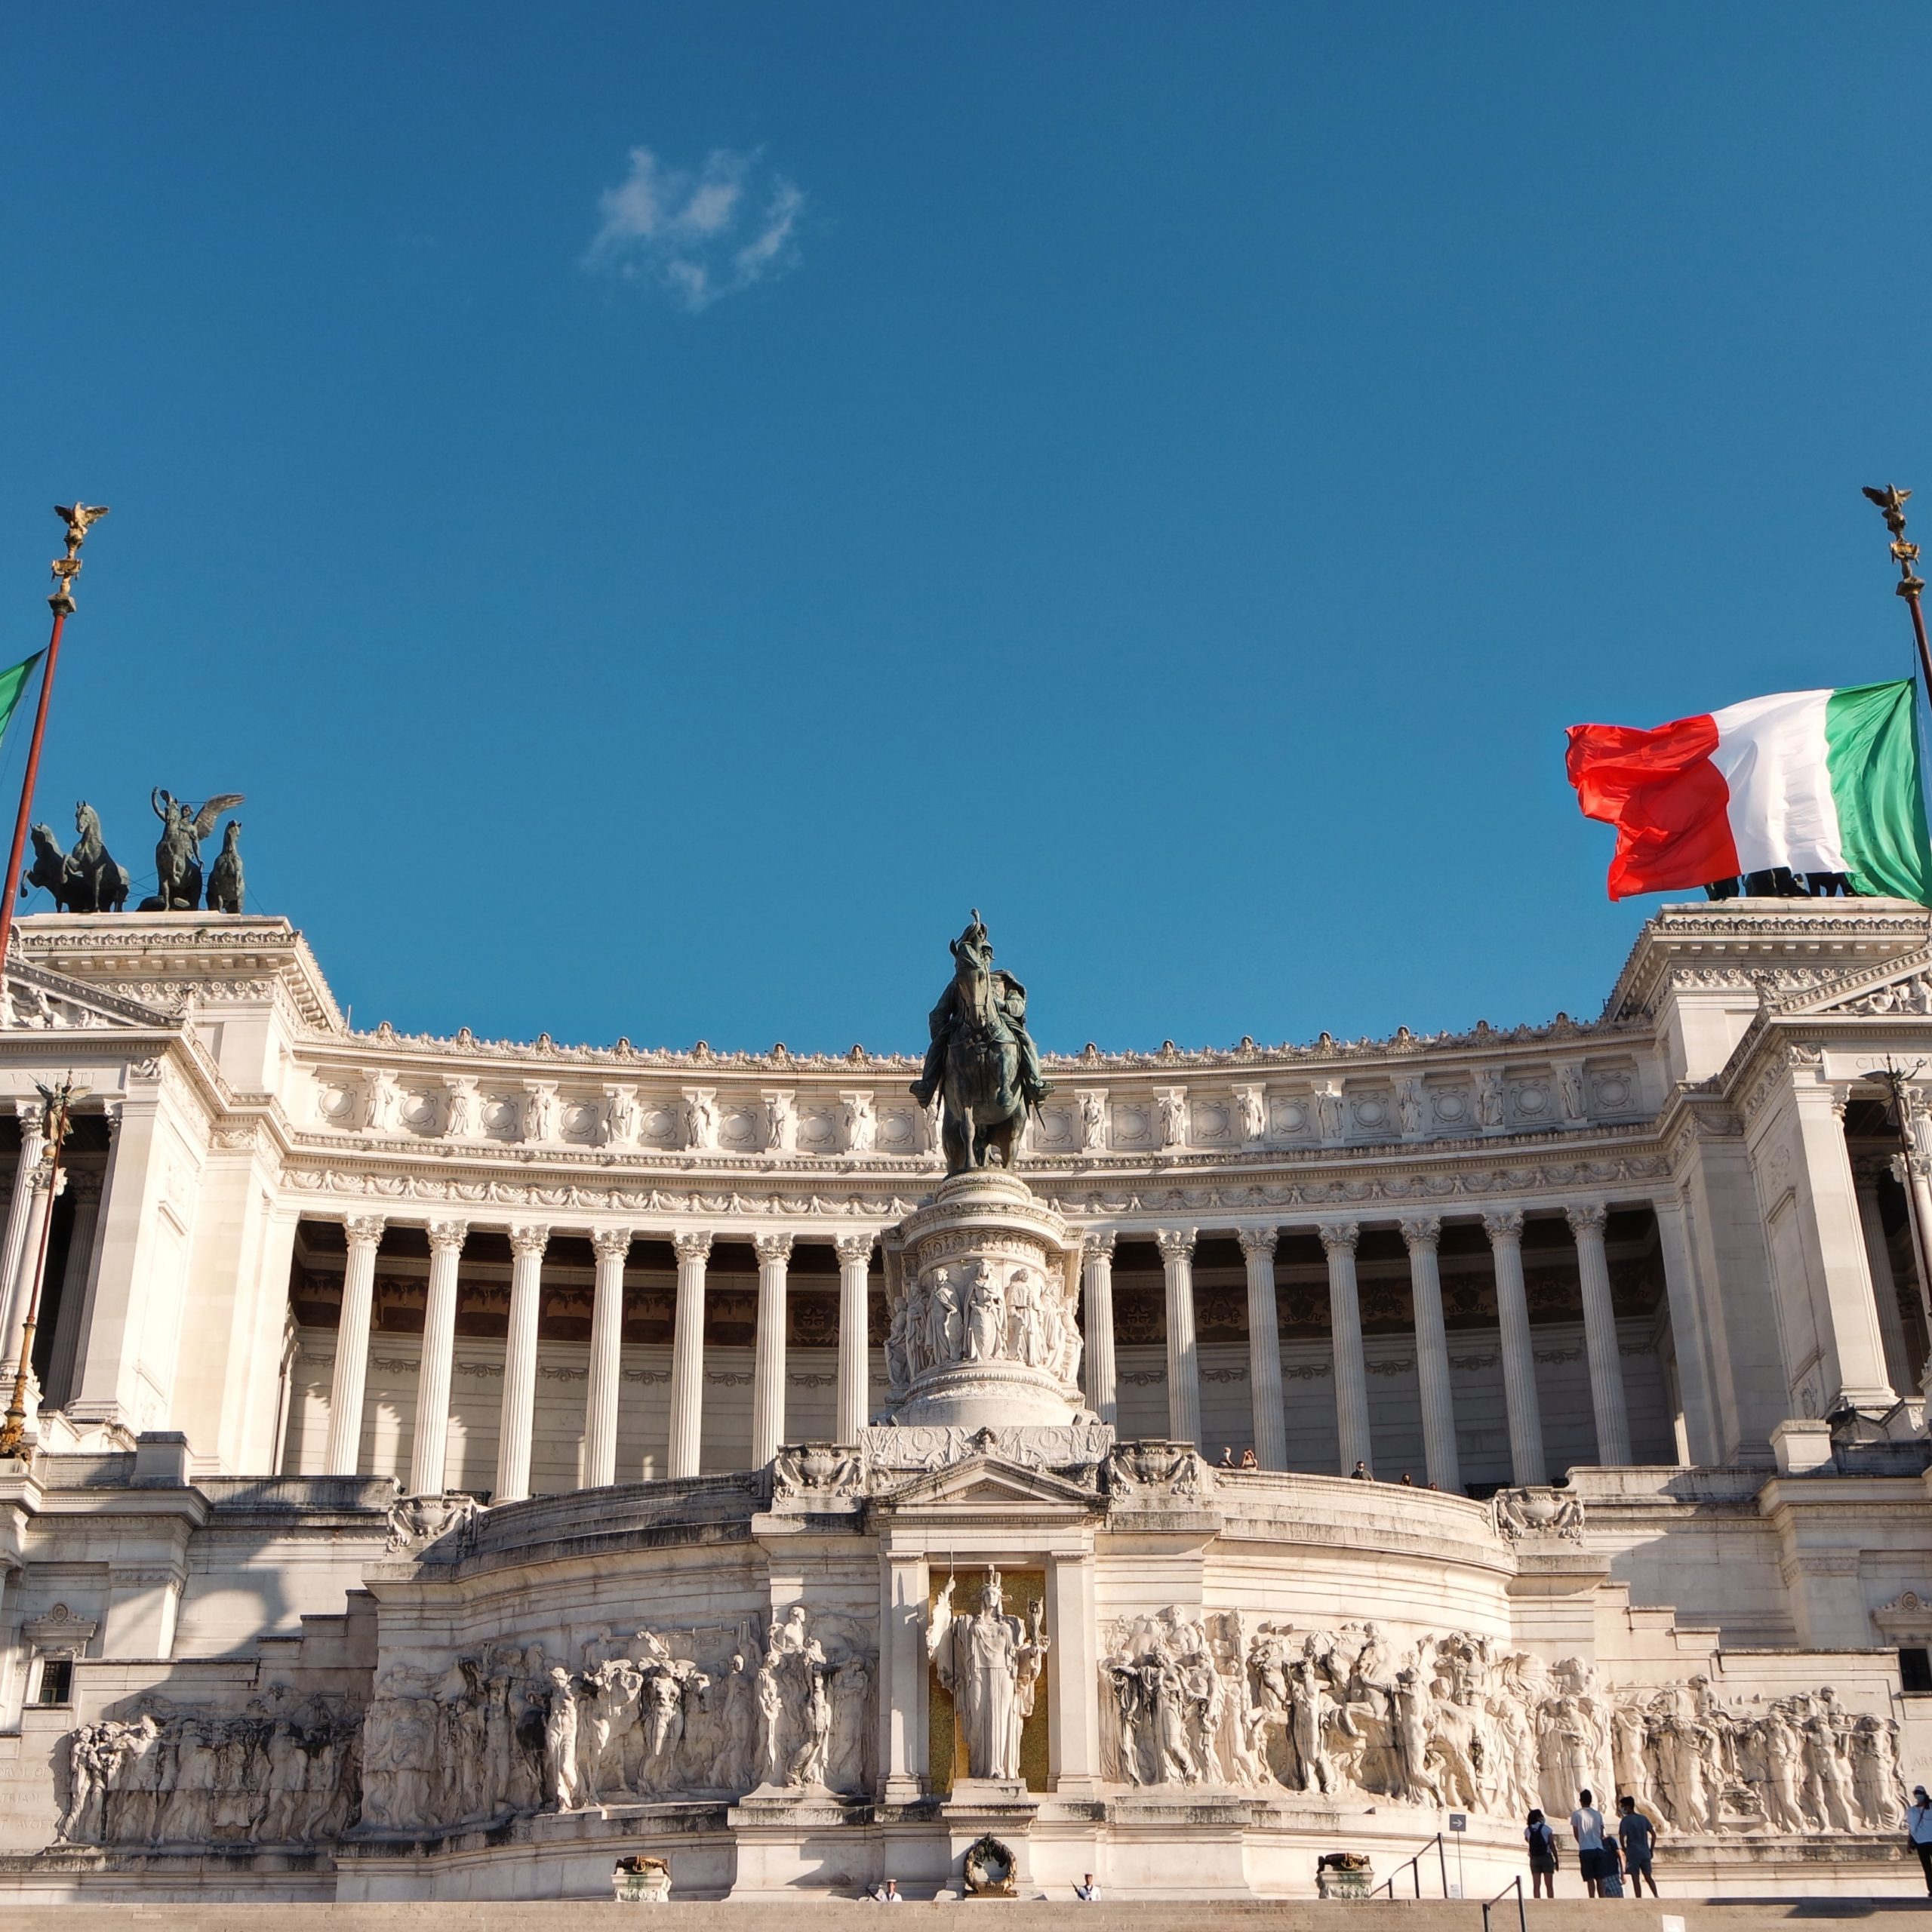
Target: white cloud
[(698, 235)]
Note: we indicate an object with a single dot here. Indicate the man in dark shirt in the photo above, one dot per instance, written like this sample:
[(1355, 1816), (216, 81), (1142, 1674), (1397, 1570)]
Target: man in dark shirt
[(1637, 1833)]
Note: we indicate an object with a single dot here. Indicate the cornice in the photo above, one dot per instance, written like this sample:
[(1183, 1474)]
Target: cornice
[(1746, 938)]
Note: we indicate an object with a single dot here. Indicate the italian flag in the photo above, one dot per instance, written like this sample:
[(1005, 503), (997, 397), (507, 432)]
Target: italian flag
[(1820, 781)]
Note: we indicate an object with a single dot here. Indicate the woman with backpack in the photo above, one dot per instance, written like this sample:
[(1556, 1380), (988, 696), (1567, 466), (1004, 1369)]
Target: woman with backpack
[(1542, 1842)]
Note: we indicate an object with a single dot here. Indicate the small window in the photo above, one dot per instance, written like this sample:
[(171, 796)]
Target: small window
[(57, 1680), (1916, 1669)]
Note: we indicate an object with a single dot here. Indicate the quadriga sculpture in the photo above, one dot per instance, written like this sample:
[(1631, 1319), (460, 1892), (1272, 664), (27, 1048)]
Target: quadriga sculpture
[(1459, 1721), (178, 857), (86, 879)]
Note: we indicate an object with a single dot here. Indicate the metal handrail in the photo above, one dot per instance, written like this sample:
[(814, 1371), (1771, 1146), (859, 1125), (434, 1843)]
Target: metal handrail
[(1515, 1885), (1442, 1860)]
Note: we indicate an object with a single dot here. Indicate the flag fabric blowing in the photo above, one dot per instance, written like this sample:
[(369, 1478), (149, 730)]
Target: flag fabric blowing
[(1820, 781)]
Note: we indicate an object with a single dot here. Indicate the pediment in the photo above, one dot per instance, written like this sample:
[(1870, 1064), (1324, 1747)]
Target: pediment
[(1900, 988), (989, 1484), (39, 1001)]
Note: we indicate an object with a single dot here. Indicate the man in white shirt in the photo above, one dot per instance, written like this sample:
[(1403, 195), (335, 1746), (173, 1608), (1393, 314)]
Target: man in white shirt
[(1087, 1889), (1587, 1828), (1918, 1827)]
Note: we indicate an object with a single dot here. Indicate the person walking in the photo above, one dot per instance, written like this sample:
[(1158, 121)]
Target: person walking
[(1638, 1832), (1542, 1842), (1587, 1828), (1918, 1825)]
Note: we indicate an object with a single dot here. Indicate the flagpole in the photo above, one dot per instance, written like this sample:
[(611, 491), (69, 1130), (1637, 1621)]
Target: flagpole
[(77, 517), (1911, 585)]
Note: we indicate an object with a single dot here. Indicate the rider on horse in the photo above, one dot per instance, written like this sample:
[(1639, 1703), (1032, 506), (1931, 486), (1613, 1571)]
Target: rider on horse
[(972, 953)]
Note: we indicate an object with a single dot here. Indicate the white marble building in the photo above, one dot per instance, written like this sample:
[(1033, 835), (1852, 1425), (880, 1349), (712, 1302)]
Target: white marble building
[(582, 1306)]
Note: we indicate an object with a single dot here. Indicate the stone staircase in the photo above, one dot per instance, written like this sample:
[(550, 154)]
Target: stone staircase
[(1570, 1914)]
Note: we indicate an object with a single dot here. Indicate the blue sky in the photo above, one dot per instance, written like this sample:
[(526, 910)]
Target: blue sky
[(662, 509)]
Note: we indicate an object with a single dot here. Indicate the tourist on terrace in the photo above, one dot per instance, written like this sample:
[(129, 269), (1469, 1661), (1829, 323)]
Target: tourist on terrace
[(1542, 1842), (1088, 1889), (1918, 1824), (1638, 1832), (1587, 1828), (1360, 1473), (1248, 1459)]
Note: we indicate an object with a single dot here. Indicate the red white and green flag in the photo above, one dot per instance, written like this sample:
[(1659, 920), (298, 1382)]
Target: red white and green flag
[(1818, 781)]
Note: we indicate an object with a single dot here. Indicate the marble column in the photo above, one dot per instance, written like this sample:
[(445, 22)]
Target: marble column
[(85, 1184), (1691, 1340), (1264, 1350), (1600, 1346), (519, 1410), (903, 1712), (1177, 1247), (1073, 1731), (612, 1248), (20, 1211), (76, 1322), (1096, 1310), (1338, 1238), (1884, 1281), (687, 1356), (775, 1252), (1423, 1232), (1527, 1464), (855, 1255), (47, 1186), (364, 1236), (430, 1447)]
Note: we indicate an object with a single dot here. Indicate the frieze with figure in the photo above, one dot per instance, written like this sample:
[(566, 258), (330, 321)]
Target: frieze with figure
[(1467, 1723)]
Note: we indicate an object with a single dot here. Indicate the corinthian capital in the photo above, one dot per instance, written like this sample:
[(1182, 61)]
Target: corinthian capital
[(1258, 1240), (1503, 1224), (1587, 1217), (693, 1247), (772, 1248), (447, 1237), (1421, 1230), (1175, 1243), (855, 1250), (1097, 1245), (363, 1231), (1336, 1236), (529, 1240), (611, 1243)]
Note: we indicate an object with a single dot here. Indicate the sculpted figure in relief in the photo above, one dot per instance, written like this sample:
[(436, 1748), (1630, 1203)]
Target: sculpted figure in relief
[(1456, 1720), (1252, 1108), (1092, 1121), (990, 1661), (781, 1124), (986, 1315), (1408, 1105), (700, 1117), (860, 1126)]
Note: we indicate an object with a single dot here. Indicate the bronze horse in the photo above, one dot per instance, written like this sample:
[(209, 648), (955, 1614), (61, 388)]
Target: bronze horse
[(985, 1107)]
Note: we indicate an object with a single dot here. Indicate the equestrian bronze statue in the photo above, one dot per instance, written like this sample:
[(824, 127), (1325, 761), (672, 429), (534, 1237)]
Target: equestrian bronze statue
[(982, 1060)]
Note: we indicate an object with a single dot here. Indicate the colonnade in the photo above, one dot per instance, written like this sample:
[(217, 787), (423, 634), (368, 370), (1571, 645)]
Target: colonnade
[(530, 1241), (611, 1247), (29, 1205), (1421, 1234)]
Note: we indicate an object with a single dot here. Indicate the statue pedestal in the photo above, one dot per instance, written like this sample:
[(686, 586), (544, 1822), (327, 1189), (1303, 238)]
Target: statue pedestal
[(998, 1808), (985, 1313), (790, 1835)]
